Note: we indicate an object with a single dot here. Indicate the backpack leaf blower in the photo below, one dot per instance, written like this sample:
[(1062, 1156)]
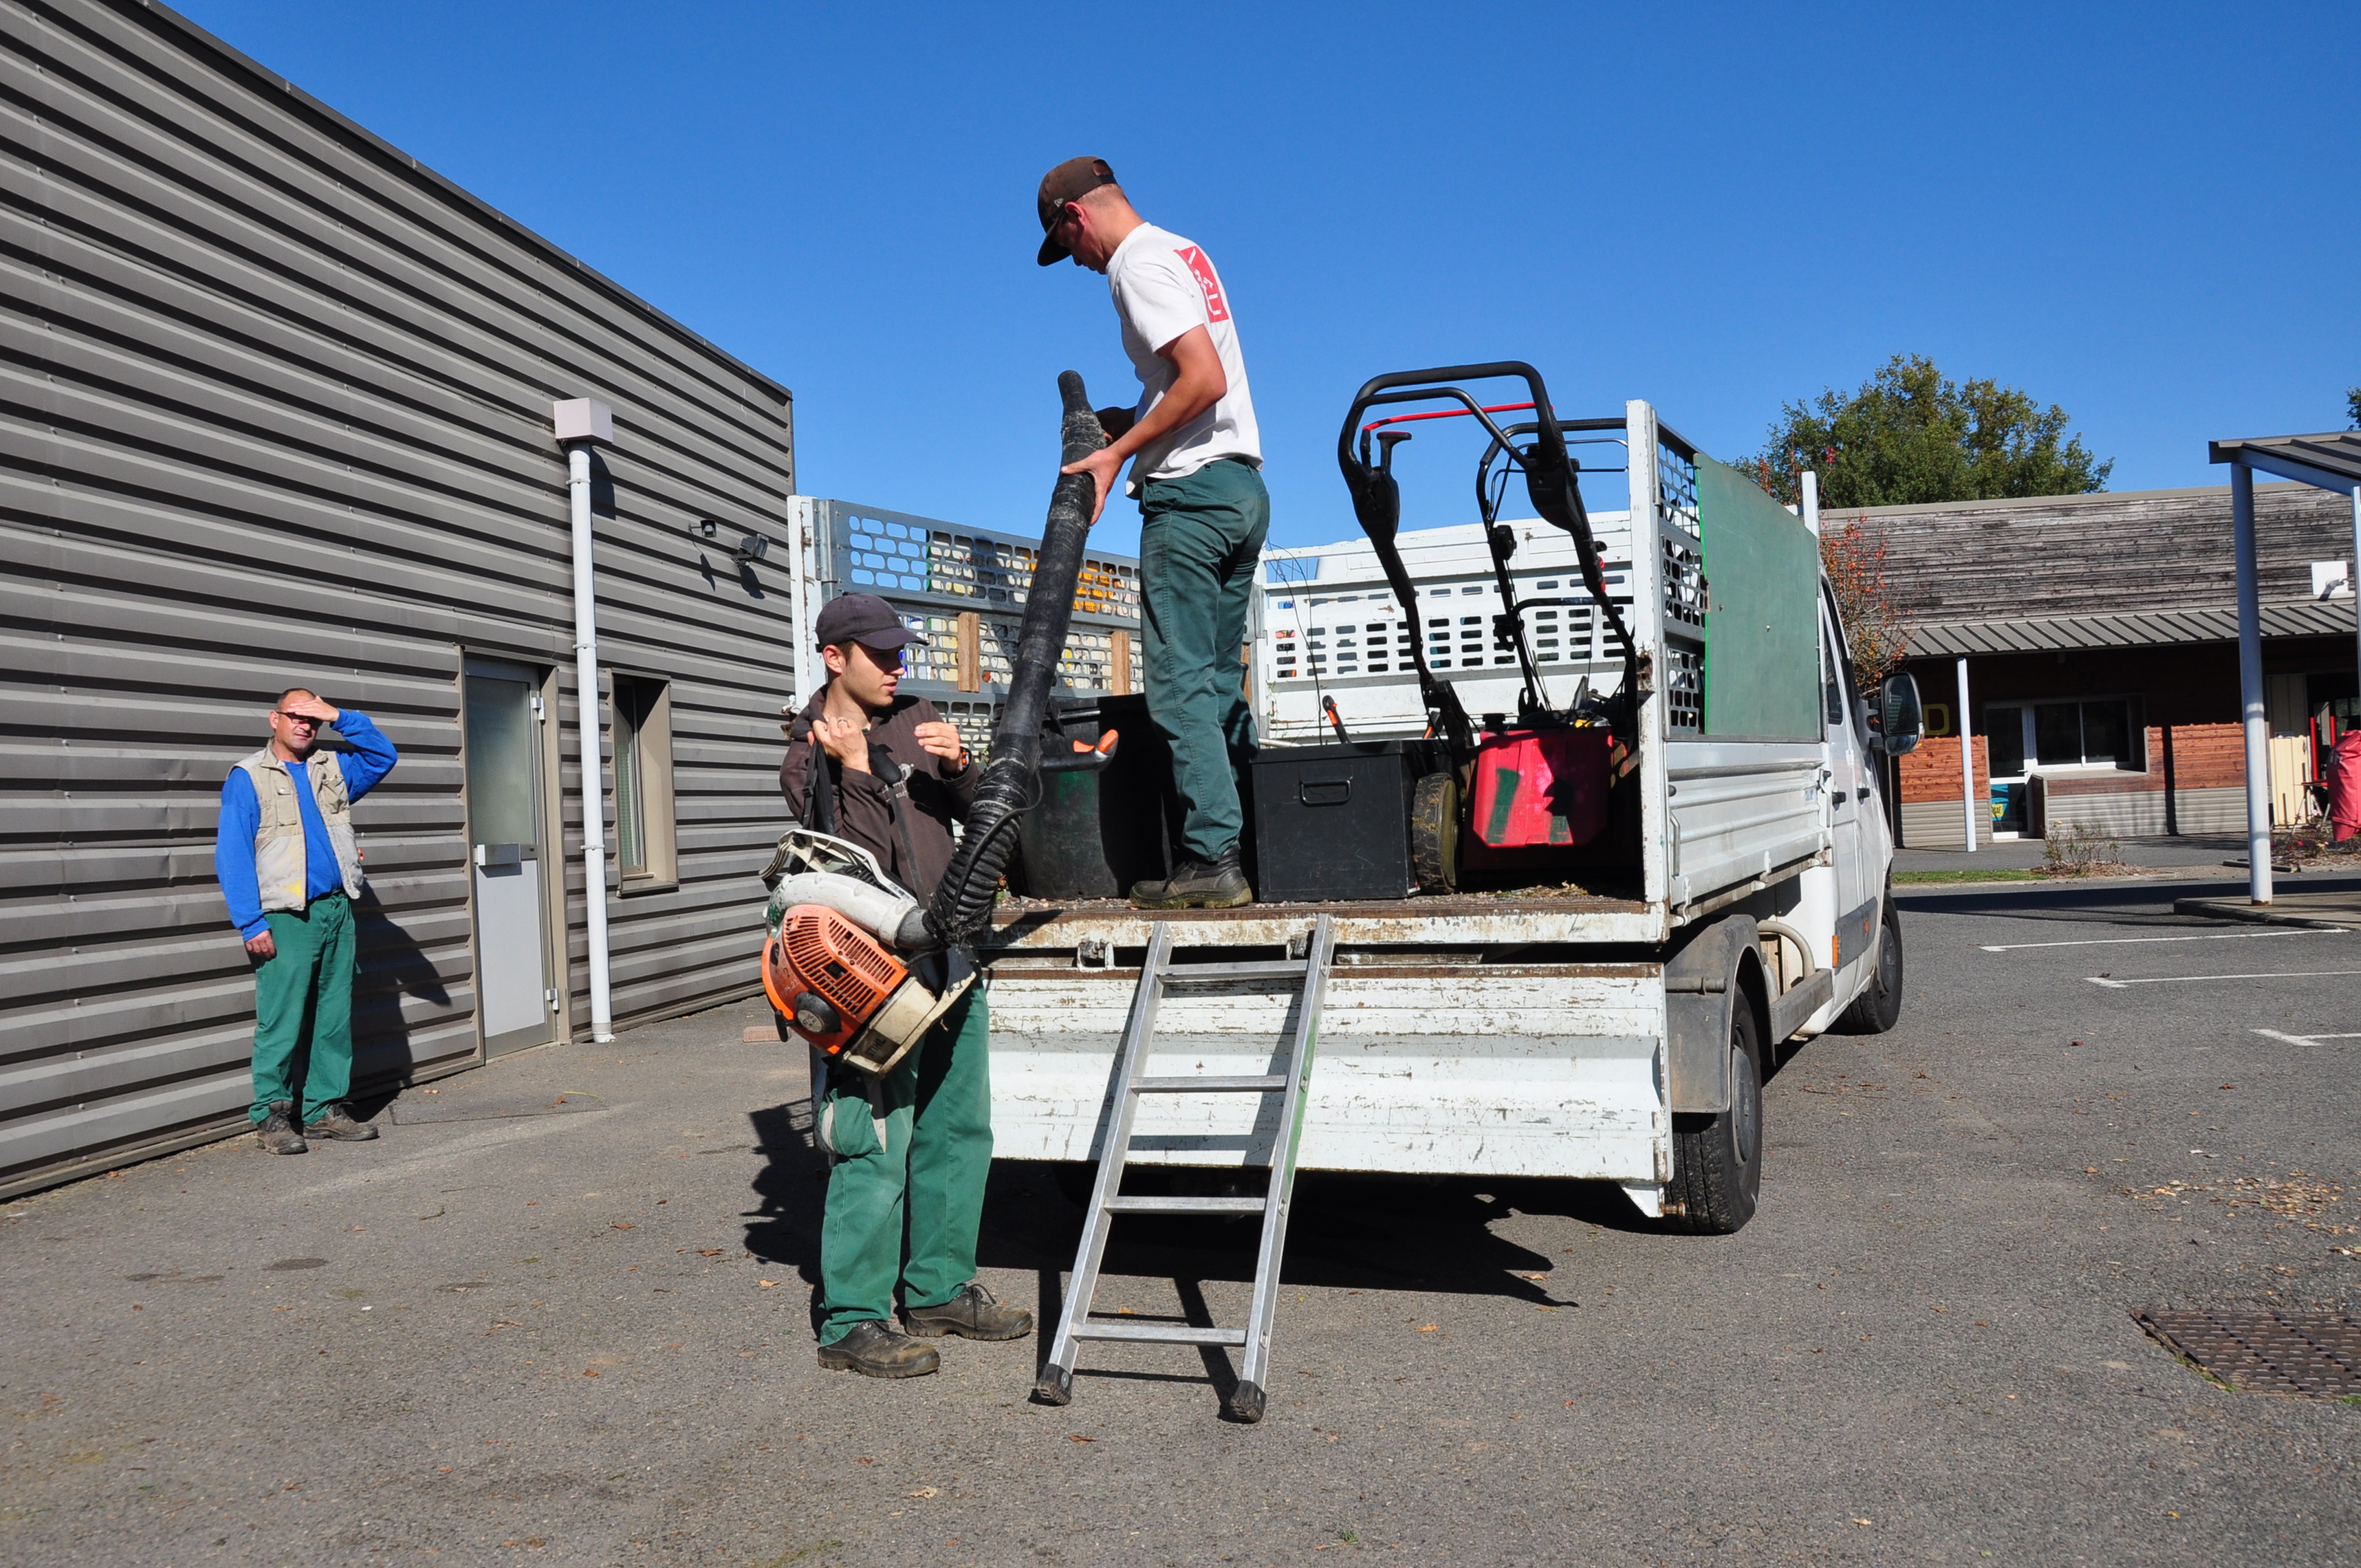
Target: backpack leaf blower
[(853, 963)]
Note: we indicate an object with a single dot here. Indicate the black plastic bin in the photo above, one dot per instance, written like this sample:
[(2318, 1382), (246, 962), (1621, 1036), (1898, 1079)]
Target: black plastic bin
[(1094, 834), (1332, 822)]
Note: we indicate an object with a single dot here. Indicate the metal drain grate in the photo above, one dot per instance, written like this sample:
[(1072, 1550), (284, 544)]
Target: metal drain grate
[(2314, 1356)]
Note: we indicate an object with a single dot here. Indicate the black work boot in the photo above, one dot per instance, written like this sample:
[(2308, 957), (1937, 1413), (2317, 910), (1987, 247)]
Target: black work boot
[(973, 1313), (1218, 884), (875, 1350), (276, 1131), (335, 1121)]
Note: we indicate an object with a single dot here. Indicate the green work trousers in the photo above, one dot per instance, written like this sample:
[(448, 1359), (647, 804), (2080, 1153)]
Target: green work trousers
[(1200, 539), (303, 1008), (906, 1187)]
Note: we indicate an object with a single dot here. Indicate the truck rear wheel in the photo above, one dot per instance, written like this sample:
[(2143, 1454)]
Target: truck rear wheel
[(1717, 1160), (1875, 1009)]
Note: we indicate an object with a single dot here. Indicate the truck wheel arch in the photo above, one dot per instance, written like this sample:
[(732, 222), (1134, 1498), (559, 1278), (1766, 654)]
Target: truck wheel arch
[(1719, 969)]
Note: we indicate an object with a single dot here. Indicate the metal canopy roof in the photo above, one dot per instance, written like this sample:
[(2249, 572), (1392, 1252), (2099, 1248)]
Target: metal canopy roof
[(2043, 634), (2331, 461)]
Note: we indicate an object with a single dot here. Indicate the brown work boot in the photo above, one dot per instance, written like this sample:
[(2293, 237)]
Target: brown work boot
[(973, 1313), (1218, 884), (335, 1121), (276, 1132), (875, 1350)]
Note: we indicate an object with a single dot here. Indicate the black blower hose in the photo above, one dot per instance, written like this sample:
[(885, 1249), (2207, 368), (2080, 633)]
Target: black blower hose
[(1012, 780)]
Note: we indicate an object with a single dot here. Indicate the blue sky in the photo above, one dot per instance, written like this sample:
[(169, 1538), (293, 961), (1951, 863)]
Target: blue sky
[(2133, 211)]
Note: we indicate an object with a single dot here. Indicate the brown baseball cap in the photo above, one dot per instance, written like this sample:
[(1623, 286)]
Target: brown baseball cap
[(1065, 183)]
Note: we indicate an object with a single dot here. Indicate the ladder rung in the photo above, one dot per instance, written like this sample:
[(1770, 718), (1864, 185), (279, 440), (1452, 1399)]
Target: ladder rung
[(1120, 1205), (1159, 1333), (1267, 1083), (1288, 971)]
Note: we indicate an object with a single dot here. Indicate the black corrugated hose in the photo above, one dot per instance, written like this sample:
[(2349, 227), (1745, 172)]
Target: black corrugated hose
[(1011, 784)]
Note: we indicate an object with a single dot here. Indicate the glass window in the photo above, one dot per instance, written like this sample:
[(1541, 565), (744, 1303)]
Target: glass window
[(2005, 732), (643, 811), (2106, 733), (2058, 732)]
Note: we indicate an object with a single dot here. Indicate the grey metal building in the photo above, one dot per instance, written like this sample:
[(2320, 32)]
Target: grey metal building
[(277, 410)]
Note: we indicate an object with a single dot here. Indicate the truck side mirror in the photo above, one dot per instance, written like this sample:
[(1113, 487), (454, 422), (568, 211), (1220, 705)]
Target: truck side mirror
[(1902, 718)]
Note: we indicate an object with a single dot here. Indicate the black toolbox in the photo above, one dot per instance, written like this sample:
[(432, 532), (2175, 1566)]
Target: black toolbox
[(1332, 822)]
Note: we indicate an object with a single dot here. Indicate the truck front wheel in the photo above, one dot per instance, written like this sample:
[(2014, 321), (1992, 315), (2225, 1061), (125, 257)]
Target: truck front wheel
[(1717, 1160), (1875, 1009)]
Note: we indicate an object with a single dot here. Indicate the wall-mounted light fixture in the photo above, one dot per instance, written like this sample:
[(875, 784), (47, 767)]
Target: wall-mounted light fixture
[(751, 549), (708, 527)]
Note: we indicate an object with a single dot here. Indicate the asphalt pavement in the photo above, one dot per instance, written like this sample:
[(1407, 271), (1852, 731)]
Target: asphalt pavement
[(559, 1314)]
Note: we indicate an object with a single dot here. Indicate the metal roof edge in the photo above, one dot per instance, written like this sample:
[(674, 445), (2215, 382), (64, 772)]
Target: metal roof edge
[(442, 185), (2049, 633)]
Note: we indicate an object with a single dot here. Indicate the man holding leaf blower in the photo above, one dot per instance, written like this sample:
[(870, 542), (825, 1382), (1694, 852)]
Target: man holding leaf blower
[(1196, 463), (908, 1151)]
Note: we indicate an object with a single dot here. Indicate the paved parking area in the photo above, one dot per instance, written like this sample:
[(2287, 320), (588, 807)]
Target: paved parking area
[(558, 1314)]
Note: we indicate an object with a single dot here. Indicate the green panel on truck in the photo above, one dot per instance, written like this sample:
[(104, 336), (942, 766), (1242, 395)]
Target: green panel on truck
[(1761, 623)]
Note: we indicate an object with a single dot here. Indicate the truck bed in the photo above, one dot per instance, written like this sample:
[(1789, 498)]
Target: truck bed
[(1462, 919)]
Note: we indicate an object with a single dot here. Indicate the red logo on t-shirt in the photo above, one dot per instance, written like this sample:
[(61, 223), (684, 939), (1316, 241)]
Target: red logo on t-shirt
[(1203, 270)]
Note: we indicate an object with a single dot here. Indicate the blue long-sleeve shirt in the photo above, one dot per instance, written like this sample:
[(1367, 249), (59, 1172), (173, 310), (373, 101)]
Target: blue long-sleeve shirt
[(372, 757)]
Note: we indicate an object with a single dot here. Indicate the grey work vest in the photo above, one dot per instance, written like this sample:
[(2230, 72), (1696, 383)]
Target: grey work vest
[(279, 857)]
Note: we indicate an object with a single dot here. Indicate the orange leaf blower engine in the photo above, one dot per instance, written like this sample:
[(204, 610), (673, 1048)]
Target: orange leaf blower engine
[(838, 963)]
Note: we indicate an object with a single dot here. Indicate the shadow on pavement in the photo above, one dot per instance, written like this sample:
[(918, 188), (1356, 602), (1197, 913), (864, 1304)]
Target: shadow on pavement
[(1349, 1231)]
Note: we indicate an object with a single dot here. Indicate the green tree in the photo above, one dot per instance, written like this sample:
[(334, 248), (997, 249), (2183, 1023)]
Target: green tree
[(2353, 407), (1908, 436)]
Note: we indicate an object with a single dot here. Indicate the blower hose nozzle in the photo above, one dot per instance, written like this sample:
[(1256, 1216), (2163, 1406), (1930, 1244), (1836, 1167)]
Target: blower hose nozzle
[(1011, 784)]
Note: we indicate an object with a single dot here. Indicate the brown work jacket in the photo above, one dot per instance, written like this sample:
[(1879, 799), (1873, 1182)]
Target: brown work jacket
[(906, 790)]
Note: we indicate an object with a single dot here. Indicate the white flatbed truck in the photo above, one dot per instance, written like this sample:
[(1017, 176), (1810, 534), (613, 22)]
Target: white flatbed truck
[(1619, 1031)]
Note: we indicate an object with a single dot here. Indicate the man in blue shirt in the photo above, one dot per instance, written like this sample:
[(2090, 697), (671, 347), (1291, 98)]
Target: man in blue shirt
[(290, 871)]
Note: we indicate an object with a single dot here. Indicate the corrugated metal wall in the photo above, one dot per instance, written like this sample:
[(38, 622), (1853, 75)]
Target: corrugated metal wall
[(274, 408)]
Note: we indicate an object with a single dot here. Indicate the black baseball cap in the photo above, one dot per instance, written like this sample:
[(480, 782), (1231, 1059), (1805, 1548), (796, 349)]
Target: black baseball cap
[(864, 619), (1066, 182)]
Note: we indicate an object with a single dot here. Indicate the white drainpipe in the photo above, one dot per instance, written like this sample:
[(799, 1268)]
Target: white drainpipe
[(582, 423)]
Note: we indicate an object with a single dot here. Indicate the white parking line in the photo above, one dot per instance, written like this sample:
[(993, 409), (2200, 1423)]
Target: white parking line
[(2174, 979), (2304, 1039), (2126, 941)]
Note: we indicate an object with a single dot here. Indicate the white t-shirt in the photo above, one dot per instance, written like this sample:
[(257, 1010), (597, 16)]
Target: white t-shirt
[(1163, 285)]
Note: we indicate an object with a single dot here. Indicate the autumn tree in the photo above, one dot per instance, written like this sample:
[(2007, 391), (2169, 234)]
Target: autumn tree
[(1908, 436)]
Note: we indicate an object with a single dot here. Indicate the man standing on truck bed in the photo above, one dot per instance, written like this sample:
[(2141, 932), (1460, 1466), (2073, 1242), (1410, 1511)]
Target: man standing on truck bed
[(908, 1151), (1196, 463)]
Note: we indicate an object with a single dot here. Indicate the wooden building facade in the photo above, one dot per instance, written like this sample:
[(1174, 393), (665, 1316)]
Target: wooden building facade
[(2100, 634)]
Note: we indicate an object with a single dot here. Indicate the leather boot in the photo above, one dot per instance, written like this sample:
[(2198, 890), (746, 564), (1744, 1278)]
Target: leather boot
[(875, 1350), (335, 1121), (973, 1313), (276, 1132), (1218, 884)]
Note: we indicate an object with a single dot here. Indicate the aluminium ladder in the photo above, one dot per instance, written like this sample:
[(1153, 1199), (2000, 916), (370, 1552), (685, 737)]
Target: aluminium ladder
[(1056, 1384)]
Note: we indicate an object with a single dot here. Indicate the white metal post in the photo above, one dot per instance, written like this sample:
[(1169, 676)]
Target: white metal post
[(2251, 688), (800, 533), (581, 424), (1967, 765), (1811, 508)]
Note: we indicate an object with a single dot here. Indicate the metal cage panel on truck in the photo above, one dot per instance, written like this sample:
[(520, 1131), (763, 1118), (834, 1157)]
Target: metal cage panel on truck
[(965, 590)]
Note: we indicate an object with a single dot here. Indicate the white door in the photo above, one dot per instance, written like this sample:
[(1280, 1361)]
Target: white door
[(501, 760), (1856, 827)]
